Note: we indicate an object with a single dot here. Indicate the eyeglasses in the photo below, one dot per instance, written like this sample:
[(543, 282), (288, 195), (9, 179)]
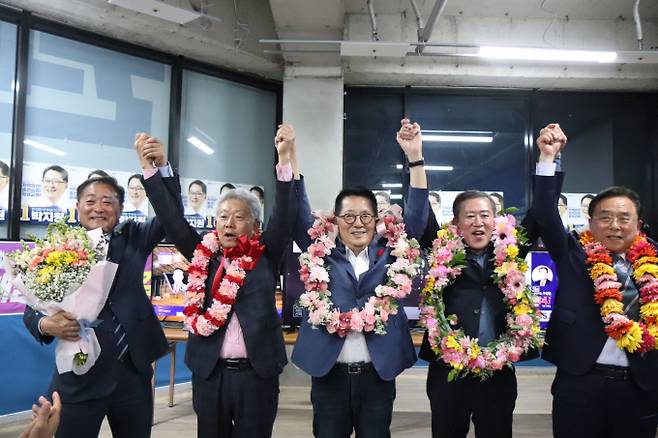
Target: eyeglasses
[(136, 189), (350, 218), (53, 181), (609, 219), (196, 193)]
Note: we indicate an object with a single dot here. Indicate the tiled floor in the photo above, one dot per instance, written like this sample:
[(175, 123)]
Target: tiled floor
[(411, 418)]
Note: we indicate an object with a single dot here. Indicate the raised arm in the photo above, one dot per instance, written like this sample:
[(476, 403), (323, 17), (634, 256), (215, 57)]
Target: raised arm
[(164, 194), (544, 208), (279, 229), (416, 212)]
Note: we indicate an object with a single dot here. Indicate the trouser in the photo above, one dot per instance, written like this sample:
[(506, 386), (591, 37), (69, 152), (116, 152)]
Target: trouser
[(352, 397), (235, 402), (490, 403)]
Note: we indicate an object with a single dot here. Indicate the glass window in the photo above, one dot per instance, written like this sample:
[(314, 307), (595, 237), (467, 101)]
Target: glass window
[(227, 138), (7, 69), (469, 142), (84, 106)]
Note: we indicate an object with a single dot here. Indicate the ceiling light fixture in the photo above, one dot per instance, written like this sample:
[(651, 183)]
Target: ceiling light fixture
[(392, 185), (430, 167), (398, 196), (44, 147), (201, 145), (535, 54), (459, 138)]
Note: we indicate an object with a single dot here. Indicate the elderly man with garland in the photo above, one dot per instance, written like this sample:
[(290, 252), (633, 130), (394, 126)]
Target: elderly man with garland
[(602, 332), (355, 341), (235, 349)]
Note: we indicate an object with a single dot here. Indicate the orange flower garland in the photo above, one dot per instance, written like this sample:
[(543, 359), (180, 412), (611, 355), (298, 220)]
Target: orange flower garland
[(632, 336)]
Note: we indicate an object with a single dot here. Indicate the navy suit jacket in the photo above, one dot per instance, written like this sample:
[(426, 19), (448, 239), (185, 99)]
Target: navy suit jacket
[(255, 302), (316, 350), (575, 334), (130, 245)]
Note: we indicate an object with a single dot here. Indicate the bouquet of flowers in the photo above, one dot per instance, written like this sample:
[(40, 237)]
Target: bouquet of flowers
[(62, 272)]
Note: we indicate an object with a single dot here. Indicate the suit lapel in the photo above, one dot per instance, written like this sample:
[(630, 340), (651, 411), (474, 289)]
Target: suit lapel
[(341, 259)]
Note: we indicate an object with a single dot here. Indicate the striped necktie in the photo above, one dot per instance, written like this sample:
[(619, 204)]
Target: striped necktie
[(629, 291), (119, 332)]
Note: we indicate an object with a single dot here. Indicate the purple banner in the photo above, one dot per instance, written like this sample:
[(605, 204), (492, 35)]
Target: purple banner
[(543, 283)]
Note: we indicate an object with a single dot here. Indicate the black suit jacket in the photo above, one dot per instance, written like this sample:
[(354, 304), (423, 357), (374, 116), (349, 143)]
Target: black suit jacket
[(464, 299), (575, 334), (130, 245), (255, 302)]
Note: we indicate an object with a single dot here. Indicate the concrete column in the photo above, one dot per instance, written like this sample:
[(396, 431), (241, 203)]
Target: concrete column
[(313, 103)]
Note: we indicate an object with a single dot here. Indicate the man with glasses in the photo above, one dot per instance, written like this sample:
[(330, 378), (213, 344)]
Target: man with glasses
[(353, 377), (54, 188), (607, 365)]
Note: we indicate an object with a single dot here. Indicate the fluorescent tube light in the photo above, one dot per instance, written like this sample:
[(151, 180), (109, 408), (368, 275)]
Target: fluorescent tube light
[(398, 196), (459, 138), (201, 145), (44, 147), (392, 185), (429, 167), (534, 54)]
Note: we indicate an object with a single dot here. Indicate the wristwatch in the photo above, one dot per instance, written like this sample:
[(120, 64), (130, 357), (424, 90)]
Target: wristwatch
[(417, 163)]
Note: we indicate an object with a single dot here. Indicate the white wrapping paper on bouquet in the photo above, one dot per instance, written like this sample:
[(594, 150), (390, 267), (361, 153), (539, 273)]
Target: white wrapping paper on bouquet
[(85, 303)]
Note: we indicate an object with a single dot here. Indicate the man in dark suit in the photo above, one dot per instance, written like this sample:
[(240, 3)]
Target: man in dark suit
[(599, 389), (119, 384), (478, 304), (235, 369), (353, 377)]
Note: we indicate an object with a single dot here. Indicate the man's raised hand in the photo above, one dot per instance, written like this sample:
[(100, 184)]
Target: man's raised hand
[(550, 142), (149, 150), (410, 140), (284, 141)]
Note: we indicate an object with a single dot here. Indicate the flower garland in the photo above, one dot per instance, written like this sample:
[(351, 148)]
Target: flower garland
[(461, 352), (375, 313), (632, 336), (244, 258)]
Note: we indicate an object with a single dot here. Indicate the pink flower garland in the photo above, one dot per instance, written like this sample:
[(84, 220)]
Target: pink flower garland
[(462, 353), (205, 323), (375, 313)]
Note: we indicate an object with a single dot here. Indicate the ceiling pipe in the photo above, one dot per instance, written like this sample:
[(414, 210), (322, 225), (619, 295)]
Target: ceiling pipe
[(432, 19), (419, 17), (638, 24), (373, 20)]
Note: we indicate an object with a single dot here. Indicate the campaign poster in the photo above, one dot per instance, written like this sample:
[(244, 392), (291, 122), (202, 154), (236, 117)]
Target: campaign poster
[(573, 209), (10, 302), (200, 200), (543, 282), (169, 283), (49, 193)]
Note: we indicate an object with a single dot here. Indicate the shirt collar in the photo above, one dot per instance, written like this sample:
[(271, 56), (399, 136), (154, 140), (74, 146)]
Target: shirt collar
[(362, 255)]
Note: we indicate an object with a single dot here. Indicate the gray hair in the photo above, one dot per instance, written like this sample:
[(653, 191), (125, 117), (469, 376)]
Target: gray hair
[(251, 200)]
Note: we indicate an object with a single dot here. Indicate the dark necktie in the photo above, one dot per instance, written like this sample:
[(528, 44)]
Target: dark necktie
[(629, 291), (119, 332), (487, 331)]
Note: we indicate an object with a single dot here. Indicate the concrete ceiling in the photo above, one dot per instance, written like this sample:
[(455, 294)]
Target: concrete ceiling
[(233, 41)]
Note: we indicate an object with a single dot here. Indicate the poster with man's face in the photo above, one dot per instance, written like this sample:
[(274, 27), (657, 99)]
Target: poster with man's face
[(200, 198), (49, 193)]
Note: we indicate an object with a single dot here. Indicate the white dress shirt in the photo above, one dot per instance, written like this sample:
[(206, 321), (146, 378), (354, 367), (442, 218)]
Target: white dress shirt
[(355, 348)]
